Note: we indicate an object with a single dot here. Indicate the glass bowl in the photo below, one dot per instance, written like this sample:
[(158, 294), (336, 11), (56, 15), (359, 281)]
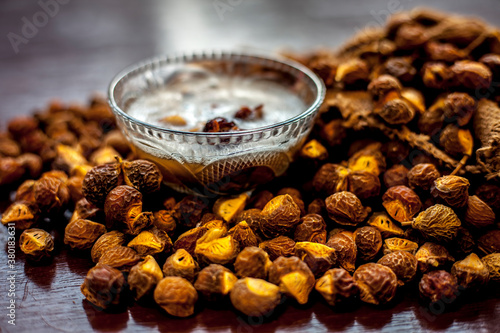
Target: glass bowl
[(209, 164)]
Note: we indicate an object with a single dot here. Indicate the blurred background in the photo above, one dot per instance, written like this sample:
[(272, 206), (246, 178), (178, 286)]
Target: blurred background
[(69, 49)]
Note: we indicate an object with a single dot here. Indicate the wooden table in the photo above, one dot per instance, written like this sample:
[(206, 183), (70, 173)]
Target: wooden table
[(48, 298), (78, 49)]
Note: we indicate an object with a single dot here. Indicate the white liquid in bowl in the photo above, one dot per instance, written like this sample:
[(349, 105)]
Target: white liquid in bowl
[(199, 96)]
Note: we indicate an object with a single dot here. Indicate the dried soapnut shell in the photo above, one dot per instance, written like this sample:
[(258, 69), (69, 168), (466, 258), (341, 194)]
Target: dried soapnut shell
[(253, 217), (151, 242), (218, 251), (443, 52), (385, 225), (143, 175), (86, 210), (437, 222), (345, 208), (396, 175), (229, 207), (216, 229), (82, 234), (188, 240), (296, 196), (478, 213), (189, 210), (331, 178), (364, 184), (103, 286), (279, 246), (255, 297), (25, 192), (432, 256), (68, 158), (368, 159), (23, 214), (117, 140), (104, 155), (120, 257), (471, 74), (401, 202), (318, 257), (422, 176), (122, 205), (280, 216), (74, 185), (333, 132), (377, 283), (176, 296), (431, 121), (395, 111), (144, 277), (244, 235), (410, 36), (492, 61), (99, 181), (215, 281), (438, 285), (452, 189), (252, 262), (459, 107), (368, 242), (336, 286), (351, 71), (436, 75), (21, 125), (294, 278), (399, 244), (317, 206), (312, 228), (456, 141), (107, 241), (140, 222), (415, 98), (181, 264), (36, 243), (396, 151), (402, 263), (471, 273), (11, 170), (346, 250), (384, 84), (32, 163), (492, 262), (314, 150), (164, 220), (51, 194), (9, 147)]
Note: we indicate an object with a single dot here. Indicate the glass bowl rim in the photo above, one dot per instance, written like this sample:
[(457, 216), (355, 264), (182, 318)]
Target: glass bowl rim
[(201, 55)]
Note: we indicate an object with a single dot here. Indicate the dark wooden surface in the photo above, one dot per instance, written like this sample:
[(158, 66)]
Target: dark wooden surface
[(78, 51)]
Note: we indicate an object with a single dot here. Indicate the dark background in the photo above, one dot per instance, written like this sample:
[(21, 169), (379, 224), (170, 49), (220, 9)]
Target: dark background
[(77, 52), (86, 43)]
